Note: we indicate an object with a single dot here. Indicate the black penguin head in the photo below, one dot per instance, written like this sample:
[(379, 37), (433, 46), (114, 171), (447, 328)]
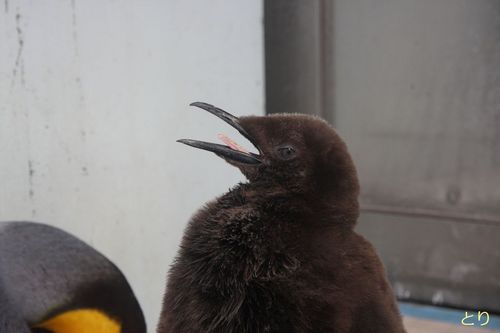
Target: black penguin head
[(297, 153)]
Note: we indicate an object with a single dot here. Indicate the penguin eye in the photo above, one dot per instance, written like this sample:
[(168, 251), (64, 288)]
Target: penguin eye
[(286, 152)]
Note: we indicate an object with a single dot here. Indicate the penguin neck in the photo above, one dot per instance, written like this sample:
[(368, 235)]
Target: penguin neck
[(322, 208), (264, 192)]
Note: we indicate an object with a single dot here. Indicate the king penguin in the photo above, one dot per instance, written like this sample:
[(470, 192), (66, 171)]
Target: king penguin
[(279, 253), (50, 281)]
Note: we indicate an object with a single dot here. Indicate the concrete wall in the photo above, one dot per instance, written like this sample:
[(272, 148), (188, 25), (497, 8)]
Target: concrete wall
[(93, 95)]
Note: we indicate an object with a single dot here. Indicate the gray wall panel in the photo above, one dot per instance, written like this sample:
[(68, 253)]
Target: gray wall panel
[(438, 261), (418, 99)]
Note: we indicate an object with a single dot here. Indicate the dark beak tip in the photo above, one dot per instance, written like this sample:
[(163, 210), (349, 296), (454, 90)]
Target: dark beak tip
[(184, 141), (200, 104)]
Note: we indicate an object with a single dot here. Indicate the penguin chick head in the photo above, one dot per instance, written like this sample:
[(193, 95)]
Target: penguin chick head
[(297, 153)]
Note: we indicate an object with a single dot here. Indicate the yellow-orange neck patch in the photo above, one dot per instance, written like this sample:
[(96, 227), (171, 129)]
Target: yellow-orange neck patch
[(81, 321)]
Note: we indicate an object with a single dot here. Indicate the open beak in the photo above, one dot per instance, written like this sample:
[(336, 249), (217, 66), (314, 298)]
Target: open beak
[(232, 151)]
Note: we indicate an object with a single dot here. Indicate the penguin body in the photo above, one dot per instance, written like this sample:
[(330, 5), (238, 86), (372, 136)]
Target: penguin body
[(279, 253), (50, 281)]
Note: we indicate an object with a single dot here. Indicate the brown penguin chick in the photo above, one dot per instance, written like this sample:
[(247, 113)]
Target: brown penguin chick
[(279, 253)]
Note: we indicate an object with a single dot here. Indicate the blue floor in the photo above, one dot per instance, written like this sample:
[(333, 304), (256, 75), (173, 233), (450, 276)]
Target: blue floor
[(452, 316)]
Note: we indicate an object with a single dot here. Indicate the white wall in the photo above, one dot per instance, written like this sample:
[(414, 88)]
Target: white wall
[(93, 95)]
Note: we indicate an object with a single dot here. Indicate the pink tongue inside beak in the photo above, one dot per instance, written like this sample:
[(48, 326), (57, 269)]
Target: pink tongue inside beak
[(231, 143)]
